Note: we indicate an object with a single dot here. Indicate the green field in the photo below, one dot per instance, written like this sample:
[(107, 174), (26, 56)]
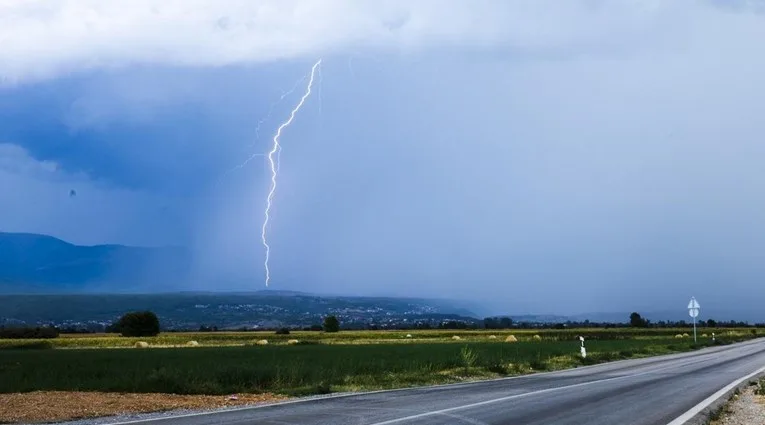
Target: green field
[(320, 363)]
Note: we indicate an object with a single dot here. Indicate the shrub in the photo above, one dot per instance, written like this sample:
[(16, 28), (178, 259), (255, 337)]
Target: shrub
[(137, 323), (282, 331), (331, 324), (538, 364), (468, 358), (498, 368)]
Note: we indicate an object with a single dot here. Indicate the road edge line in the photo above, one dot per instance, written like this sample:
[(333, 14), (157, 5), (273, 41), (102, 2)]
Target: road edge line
[(699, 414)]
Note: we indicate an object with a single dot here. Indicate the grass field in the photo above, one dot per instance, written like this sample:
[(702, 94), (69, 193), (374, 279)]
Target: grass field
[(323, 363), (219, 339)]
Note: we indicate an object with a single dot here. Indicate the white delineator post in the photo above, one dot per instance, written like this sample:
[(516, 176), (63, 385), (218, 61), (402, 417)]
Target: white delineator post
[(693, 311), (582, 350)]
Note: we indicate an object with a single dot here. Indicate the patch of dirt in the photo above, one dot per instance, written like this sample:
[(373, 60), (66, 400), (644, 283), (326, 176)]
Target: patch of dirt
[(746, 409), (57, 406)]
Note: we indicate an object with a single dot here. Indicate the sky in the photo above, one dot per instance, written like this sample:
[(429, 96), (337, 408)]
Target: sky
[(532, 156)]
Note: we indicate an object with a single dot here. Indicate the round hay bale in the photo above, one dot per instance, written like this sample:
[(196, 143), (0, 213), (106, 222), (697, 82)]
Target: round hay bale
[(511, 338), (536, 338), (685, 335), (679, 336), (262, 342), (292, 341), (141, 344), (456, 338), (192, 344), (492, 337), (703, 335), (408, 335)]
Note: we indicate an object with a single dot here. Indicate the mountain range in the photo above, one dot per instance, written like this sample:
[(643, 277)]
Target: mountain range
[(40, 264), (33, 263)]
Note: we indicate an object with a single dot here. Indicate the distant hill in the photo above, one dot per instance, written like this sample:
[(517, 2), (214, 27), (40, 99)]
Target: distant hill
[(32, 263), (191, 310)]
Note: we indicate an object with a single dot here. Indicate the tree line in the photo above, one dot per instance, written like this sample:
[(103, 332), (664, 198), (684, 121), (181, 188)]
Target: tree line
[(146, 323)]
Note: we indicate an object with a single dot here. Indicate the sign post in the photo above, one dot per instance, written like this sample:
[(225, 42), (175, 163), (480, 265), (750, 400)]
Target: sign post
[(693, 311)]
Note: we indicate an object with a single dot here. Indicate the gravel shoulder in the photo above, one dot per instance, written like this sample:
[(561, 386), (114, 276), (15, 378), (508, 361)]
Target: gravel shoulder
[(748, 408), (95, 407)]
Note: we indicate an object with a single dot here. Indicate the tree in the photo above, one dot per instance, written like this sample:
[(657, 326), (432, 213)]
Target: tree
[(636, 321), (29, 333), (138, 323), (711, 323), (331, 324)]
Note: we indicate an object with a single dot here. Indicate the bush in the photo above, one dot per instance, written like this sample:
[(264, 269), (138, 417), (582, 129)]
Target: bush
[(331, 324), (29, 333), (138, 323), (282, 331)]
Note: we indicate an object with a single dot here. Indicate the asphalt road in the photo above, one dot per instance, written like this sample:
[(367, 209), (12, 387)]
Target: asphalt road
[(653, 391)]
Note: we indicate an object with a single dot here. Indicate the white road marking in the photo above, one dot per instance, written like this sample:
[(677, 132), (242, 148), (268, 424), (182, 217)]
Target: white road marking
[(685, 417), (497, 400)]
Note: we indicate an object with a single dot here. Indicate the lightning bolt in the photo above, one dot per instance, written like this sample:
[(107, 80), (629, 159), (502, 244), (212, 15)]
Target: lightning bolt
[(276, 148), (257, 131), (273, 105)]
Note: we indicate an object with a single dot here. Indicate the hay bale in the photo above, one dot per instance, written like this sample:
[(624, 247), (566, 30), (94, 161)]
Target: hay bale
[(703, 335), (262, 342), (456, 338), (679, 336), (408, 335), (511, 338), (492, 337), (141, 344), (192, 344), (685, 335), (536, 338), (292, 341)]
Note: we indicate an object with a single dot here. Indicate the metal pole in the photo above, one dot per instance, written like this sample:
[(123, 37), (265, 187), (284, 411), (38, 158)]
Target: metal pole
[(694, 330)]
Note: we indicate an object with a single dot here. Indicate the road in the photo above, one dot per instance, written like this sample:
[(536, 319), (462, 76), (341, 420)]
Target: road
[(653, 391)]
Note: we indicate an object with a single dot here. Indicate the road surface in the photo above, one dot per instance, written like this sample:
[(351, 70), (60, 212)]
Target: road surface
[(656, 390)]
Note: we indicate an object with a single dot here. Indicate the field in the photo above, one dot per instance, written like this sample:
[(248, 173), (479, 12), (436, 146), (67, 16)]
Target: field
[(221, 339), (226, 363)]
